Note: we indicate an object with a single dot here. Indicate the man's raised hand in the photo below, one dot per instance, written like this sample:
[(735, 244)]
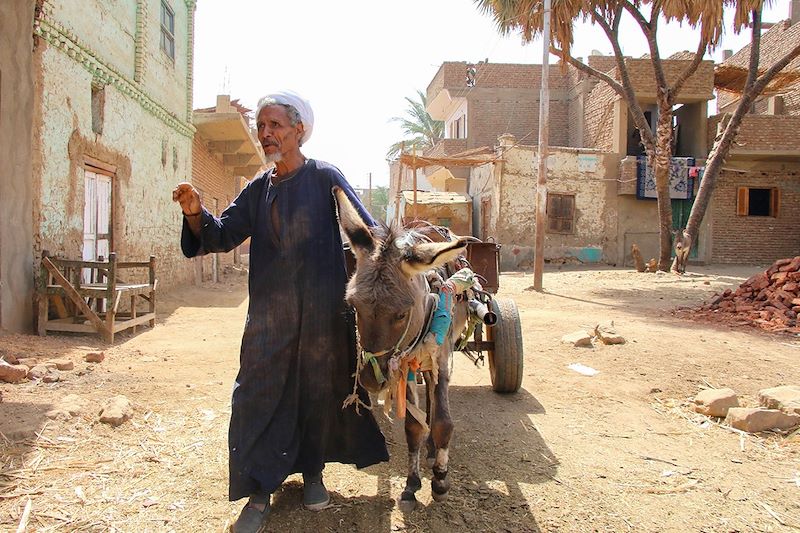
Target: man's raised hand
[(188, 197)]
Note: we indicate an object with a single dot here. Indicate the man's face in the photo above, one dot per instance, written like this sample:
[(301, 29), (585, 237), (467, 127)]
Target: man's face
[(276, 134)]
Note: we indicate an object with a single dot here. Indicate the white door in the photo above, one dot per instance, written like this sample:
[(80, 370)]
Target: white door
[(96, 219)]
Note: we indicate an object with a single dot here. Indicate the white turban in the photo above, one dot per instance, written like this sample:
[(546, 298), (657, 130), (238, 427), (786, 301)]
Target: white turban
[(293, 99)]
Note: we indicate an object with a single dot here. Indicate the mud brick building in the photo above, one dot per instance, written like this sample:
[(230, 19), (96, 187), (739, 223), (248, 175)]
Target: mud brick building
[(225, 155), (599, 202), (95, 131), (756, 204)]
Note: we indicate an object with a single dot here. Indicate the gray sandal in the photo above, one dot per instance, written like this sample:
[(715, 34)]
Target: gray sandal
[(315, 495), (251, 520)]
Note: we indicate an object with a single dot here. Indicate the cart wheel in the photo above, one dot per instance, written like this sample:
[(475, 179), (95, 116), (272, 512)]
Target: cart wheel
[(506, 356)]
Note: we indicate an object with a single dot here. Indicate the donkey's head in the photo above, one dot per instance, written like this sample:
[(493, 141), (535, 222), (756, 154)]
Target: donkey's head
[(387, 289)]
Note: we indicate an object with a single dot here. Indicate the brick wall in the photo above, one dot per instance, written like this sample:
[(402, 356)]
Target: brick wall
[(700, 85), (599, 118), (515, 114), (214, 183), (748, 239), (780, 133)]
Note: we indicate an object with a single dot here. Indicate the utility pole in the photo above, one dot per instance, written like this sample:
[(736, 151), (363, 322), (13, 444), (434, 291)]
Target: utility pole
[(544, 133), (369, 194)]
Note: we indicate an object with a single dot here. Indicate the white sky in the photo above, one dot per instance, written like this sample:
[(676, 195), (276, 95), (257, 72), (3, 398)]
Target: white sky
[(356, 61)]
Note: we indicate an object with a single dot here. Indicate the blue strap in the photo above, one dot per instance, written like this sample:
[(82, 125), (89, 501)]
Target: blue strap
[(442, 317)]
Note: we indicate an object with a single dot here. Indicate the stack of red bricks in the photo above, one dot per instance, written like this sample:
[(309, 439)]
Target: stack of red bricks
[(769, 300)]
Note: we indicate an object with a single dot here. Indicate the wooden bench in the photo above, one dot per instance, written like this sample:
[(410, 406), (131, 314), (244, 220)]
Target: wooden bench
[(92, 307)]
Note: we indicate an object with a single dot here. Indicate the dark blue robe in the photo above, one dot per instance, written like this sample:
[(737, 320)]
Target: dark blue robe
[(298, 351)]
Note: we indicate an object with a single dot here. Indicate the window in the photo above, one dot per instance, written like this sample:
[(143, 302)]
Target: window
[(98, 108), (758, 202), (560, 213), (167, 30), (458, 128)]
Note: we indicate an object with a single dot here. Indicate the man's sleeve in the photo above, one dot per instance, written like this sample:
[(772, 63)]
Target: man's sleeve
[(225, 233)]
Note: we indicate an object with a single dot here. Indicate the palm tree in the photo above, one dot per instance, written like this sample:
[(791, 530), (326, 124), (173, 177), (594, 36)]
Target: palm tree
[(420, 129), (527, 17)]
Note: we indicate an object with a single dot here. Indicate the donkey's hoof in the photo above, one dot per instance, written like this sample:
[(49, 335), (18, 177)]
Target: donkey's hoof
[(439, 497), (439, 489), (407, 502)]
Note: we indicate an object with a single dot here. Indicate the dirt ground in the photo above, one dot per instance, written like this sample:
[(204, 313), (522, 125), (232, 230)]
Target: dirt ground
[(619, 451)]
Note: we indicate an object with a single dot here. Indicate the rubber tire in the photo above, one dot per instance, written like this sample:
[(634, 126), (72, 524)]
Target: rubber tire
[(506, 359)]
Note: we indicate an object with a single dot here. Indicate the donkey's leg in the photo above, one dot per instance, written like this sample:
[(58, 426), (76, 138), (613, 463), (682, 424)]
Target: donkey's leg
[(441, 431), (415, 434), (429, 401)]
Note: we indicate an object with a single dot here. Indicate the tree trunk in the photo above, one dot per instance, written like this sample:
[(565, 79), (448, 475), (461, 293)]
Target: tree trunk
[(752, 89), (661, 160)]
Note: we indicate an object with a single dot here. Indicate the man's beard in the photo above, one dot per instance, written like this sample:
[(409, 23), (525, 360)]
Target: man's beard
[(273, 158)]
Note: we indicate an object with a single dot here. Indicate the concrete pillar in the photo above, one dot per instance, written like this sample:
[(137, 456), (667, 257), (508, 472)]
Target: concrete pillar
[(16, 180), (794, 11)]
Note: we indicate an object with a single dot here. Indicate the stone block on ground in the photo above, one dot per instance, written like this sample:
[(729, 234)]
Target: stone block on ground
[(715, 402), (754, 420), (62, 364), (69, 406), (607, 334), (30, 362), (116, 411), (785, 398), (13, 373), (8, 357), (577, 338), (94, 357), (44, 373)]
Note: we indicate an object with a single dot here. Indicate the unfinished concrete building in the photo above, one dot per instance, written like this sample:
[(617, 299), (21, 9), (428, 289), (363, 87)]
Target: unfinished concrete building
[(595, 210)]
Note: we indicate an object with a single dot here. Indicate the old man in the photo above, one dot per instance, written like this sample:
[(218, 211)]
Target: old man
[(298, 349)]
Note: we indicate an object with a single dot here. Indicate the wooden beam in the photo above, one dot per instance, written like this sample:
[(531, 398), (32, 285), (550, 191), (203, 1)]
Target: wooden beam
[(225, 147), (237, 160), (248, 171)]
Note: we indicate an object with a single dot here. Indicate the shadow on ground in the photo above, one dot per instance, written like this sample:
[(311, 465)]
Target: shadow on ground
[(496, 451)]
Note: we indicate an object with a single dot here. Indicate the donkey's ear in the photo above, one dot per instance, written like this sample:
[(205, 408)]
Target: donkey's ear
[(358, 234), (425, 256)]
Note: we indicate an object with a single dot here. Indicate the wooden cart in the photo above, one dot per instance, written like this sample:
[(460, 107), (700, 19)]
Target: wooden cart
[(499, 332)]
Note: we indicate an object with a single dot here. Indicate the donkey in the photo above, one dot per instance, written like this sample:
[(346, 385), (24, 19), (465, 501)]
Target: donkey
[(392, 300)]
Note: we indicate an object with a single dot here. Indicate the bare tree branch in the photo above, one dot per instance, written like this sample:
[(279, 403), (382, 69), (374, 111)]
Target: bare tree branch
[(677, 85), (646, 134), (779, 65), (583, 67), (649, 30), (637, 15)]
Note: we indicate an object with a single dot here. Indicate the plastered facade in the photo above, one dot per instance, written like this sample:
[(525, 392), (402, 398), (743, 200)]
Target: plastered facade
[(146, 136), (16, 188), (510, 188)]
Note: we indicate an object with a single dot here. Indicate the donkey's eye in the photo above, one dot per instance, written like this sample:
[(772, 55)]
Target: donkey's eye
[(400, 316)]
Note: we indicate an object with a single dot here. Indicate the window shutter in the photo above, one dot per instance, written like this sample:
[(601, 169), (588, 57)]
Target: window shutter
[(569, 213), (775, 202), (742, 200)]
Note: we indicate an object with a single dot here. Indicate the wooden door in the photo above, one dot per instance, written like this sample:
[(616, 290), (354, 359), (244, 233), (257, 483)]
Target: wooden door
[(96, 219)]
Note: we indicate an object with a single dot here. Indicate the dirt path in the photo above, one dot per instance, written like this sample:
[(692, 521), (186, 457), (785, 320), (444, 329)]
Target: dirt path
[(615, 452)]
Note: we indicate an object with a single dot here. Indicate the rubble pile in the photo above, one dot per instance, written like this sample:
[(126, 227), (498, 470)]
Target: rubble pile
[(769, 300)]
